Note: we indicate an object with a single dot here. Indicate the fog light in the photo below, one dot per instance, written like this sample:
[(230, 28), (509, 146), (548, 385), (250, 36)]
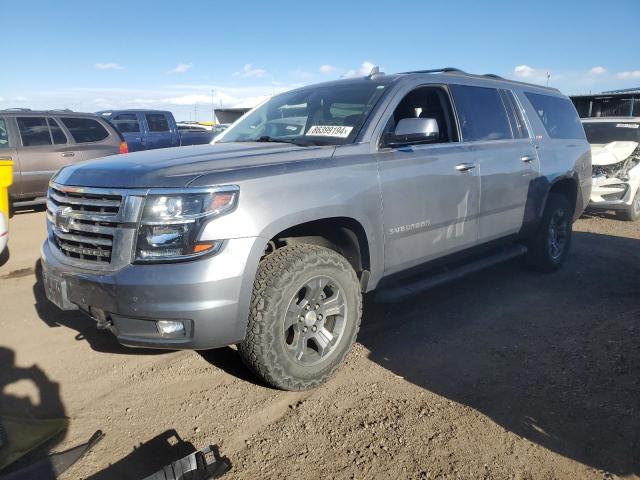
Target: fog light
[(170, 327)]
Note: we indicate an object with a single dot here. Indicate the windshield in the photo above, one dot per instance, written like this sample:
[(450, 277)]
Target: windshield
[(331, 115), (607, 132)]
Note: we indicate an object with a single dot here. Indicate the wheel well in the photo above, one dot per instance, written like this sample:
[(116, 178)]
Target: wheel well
[(569, 188), (344, 235)]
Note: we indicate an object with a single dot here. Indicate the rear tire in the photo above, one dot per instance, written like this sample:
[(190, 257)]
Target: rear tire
[(305, 314), (632, 213), (549, 247)]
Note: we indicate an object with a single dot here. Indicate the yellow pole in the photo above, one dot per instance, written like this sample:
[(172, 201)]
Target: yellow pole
[(6, 179)]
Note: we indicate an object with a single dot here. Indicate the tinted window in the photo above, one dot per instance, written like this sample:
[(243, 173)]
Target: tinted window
[(481, 113), (59, 138), (85, 130), (127, 122), (4, 134), (558, 115), (34, 131), (157, 122)]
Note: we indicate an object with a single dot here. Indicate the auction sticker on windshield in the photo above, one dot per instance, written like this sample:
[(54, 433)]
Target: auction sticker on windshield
[(329, 131)]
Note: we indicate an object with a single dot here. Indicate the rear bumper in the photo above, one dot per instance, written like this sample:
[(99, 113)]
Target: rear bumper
[(210, 296)]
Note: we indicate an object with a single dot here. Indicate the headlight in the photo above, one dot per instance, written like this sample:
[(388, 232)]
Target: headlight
[(171, 222)]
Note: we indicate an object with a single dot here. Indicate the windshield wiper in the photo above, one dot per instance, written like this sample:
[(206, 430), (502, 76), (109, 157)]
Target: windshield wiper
[(300, 143)]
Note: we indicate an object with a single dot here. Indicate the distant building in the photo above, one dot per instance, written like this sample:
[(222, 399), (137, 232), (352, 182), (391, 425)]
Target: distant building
[(229, 115), (614, 103)]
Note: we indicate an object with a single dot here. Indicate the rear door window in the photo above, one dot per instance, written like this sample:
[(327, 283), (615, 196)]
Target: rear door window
[(58, 136), (157, 122), (4, 134), (481, 113), (34, 131), (558, 116), (85, 130), (127, 122)]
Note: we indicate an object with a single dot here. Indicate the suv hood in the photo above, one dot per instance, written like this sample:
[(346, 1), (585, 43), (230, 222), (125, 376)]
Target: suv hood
[(611, 153), (178, 167)]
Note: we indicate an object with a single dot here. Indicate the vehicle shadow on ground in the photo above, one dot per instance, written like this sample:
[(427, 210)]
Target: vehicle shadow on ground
[(552, 358), (37, 398), (99, 340), (150, 457)]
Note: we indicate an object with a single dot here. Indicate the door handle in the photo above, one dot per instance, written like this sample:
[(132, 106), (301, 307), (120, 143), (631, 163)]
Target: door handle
[(527, 158), (465, 167), (68, 154)]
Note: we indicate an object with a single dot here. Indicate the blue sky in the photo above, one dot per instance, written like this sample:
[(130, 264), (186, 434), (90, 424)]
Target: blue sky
[(169, 54)]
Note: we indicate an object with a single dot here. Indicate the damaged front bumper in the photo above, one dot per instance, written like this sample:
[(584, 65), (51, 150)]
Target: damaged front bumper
[(614, 186)]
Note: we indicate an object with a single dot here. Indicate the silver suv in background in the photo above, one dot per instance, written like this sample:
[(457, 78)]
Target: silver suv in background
[(41, 142), (269, 237)]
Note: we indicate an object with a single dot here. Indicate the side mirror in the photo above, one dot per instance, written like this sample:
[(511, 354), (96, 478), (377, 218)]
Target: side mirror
[(411, 131)]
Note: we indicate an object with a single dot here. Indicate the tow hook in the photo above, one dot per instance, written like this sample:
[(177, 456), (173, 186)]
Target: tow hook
[(102, 322)]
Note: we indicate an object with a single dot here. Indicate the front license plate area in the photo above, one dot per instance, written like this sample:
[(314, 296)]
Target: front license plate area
[(56, 291)]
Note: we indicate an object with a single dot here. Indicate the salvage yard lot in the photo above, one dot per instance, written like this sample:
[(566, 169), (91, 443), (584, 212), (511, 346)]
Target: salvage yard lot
[(504, 374)]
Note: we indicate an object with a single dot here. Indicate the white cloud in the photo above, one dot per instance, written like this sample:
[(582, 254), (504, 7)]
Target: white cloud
[(248, 71), (181, 68), (627, 75), (108, 66), (327, 69), (525, 71), (598, 70), (20, 98), (363, 71)]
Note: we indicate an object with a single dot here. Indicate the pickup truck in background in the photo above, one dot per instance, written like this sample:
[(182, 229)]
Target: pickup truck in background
[(152, 129)]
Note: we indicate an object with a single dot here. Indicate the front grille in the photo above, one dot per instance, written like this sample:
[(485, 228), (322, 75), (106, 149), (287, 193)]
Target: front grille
[(83, 223)]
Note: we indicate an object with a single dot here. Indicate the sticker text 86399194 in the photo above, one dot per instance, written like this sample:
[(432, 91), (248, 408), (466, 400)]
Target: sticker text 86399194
[(329, 131)]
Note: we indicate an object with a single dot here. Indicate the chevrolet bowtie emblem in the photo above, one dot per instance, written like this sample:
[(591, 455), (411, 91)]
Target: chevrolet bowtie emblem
[(62, 219)]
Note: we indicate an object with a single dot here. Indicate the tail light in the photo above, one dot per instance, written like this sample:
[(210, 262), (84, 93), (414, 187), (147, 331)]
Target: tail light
[(124, 148)]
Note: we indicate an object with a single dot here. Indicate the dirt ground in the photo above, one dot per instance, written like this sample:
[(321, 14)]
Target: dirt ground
[(505, 374)]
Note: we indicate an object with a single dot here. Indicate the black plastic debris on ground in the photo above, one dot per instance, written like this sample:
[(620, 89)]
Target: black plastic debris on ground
[(205, 464)]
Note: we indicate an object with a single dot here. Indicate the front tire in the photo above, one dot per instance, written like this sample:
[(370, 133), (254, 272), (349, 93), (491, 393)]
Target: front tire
[(632, 213), (305, 314), (549, 247)]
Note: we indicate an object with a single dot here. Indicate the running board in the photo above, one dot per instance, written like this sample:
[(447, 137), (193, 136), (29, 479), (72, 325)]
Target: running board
[(402, 291), (30, 203)]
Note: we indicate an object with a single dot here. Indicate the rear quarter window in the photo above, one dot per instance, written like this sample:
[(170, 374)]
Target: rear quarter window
[(481, 113), (85, 130), (558, 115)]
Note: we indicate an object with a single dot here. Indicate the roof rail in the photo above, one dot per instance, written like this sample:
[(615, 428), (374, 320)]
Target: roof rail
[(68, 110), (16, 109), (493, 75), (440, 70)]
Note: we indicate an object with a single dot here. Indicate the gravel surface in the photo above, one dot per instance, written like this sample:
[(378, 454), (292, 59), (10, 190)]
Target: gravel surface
[(504, 374)]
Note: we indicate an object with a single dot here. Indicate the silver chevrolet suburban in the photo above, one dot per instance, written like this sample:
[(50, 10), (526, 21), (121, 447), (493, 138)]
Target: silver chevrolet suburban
[(269, 237)]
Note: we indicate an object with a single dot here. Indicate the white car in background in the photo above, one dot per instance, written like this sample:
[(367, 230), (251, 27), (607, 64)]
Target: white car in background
[(615, 156)]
